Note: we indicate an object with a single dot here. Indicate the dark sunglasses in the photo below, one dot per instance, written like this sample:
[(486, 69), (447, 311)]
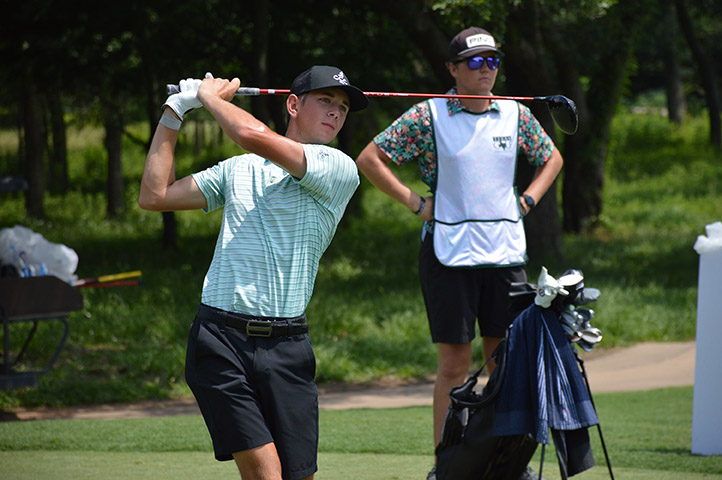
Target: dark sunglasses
[(475, 63)]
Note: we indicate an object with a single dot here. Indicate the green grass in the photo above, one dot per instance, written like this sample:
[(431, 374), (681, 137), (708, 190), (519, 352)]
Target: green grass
[(171, 466), (648, 435), (663, 185)]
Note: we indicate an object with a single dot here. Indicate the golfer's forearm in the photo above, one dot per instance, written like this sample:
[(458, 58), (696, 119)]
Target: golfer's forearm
[(375, 168), (159, 171)]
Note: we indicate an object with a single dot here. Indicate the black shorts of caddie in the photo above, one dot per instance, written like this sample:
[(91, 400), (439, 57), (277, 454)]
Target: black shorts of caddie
[(254, 384), (456, 298)]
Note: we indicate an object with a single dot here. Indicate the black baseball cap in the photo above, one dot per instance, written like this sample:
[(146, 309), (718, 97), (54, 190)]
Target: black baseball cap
[(324, 76), (471, 41)]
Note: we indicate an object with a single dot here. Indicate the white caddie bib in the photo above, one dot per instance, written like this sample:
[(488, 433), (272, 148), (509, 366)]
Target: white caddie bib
[(477, 219)]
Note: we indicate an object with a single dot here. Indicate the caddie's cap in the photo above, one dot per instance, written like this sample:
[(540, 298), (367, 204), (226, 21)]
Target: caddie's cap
[(471, 41), (324, 76)]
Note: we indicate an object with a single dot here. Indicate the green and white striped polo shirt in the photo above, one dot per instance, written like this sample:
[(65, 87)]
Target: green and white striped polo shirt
[(275, 229)]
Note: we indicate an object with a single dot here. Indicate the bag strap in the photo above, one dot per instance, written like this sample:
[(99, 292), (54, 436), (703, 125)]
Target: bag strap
[(458, 394)]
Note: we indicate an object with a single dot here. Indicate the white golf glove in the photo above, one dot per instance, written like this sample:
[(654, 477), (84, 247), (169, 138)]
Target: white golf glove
[(187, 99)]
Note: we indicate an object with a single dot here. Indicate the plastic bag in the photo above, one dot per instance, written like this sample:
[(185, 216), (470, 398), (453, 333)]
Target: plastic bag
[(32, 255)]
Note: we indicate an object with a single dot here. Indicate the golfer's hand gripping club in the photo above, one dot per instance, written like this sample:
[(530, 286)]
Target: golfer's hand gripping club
[(185, 98), (243, 91)]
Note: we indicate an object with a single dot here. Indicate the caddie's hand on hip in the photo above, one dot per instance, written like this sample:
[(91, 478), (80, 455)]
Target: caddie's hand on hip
[(187, 99)]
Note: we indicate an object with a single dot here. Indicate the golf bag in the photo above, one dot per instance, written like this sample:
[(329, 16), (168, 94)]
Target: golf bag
[(468, 448), (492, 435)]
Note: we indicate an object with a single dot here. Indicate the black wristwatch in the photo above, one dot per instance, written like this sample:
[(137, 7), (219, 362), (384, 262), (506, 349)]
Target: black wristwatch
[(529, 200)]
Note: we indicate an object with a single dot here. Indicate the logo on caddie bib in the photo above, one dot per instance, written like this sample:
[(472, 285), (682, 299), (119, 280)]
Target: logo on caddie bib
[(501, 143)]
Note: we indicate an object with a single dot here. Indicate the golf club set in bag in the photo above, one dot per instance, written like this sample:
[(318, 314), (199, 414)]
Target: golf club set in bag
[(539, 385)]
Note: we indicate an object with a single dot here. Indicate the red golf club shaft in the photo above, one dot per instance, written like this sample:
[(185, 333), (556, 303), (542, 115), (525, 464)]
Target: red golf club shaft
[(444, 95), (253, 91), (562, 109), (267, 91)]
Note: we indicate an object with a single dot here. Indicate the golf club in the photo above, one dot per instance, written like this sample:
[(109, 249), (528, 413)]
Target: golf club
[(106, 278), (562, 109)]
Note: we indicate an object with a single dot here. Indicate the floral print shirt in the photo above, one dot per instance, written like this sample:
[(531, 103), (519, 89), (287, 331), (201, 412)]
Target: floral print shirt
[(411, 137)]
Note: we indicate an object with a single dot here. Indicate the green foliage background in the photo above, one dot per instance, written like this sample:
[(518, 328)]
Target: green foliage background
[(367, 317)]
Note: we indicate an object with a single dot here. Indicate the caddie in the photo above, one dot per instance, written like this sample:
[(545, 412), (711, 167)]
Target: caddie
[(473, 244)]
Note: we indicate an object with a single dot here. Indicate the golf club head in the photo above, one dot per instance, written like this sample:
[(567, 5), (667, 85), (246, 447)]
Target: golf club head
[(571, 334), (591, 335), (573, 281), (586, 295), (564, 113), (571, 278), (569, 318), (585, 315)]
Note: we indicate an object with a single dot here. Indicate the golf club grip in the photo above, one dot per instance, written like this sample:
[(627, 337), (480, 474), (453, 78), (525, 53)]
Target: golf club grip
[(171, 89)]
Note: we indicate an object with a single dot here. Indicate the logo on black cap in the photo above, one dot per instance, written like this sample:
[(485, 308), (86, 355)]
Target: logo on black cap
[(341, 78), (323, 76)]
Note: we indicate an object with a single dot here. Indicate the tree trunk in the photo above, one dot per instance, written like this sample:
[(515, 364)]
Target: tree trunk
[(153, 101), (706, 72), (34, 126), (676, 105), (422, 31), (170, 231), (585, 152), (113, 146), (59, 158), (169, 237), (542, 225), (526, 74)]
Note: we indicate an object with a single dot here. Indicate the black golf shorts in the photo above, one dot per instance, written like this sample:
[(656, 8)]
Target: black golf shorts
[(456, 298), (256, 390)]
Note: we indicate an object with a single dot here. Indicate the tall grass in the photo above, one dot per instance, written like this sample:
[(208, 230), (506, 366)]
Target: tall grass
[(663, 186)]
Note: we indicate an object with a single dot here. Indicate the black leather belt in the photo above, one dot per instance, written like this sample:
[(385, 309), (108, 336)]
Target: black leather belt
[(254, 326)]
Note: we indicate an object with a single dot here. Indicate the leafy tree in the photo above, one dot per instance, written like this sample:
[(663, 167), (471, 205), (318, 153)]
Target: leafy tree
[(29, 67), (117, 57), (581, 51)]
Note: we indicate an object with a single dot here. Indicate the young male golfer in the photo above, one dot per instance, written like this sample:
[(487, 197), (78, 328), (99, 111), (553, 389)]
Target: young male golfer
[(249, 361), (473, 245)]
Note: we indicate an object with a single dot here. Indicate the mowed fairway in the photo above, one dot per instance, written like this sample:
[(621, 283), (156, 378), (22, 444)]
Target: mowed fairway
[(181, 465), (648, 435)]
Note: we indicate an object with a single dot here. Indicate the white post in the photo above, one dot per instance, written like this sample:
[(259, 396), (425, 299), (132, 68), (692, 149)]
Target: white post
[(706, 416)]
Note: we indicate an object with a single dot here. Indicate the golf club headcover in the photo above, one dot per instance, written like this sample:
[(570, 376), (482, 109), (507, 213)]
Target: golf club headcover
[(547, 289)]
